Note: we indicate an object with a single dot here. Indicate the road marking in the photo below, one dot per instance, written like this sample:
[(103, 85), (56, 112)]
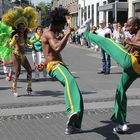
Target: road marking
[(61, 107), (73, 72), (95, 55)]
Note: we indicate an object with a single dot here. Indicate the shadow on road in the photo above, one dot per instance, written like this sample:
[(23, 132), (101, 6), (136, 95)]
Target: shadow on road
[(116, 73), (105, 131), (5, 88), (133, 128), (46, 93), (51, 93)]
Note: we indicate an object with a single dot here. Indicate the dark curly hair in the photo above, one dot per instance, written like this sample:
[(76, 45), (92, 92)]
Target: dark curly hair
[(58, 16)]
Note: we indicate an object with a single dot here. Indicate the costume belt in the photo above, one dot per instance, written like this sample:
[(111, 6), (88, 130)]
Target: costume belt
[(19, 54), (135, 63), (51, 66)]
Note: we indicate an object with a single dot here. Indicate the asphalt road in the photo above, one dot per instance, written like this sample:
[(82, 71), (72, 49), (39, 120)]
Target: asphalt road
[(41, 116)]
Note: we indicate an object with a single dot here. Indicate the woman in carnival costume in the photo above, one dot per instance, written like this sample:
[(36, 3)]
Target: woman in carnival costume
[(129, 59), (21, 20)]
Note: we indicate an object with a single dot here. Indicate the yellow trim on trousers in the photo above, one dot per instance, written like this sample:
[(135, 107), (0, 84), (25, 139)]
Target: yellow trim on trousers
[(118, 46), (135, 64), (68, 90)]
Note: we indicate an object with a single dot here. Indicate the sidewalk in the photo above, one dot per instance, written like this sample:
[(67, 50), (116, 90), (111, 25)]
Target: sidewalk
[(41, 115), (50, 126)]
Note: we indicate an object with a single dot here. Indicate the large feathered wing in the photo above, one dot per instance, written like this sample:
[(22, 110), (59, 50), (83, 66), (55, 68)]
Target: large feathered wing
[(5, 34)]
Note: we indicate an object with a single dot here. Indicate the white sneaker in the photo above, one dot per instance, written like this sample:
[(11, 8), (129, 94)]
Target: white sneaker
[(15, 94), (72, 130), (120, 128), (69, 130), (85, 26)]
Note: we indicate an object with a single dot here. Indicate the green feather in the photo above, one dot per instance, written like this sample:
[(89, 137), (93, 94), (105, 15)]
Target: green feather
[(5, 34)]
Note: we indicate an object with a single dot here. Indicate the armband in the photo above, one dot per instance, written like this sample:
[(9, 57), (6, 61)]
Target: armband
[(12, 42)]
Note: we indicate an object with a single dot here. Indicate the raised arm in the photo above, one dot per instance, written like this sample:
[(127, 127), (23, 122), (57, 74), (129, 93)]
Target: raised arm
[(13, 41), (56, 44)]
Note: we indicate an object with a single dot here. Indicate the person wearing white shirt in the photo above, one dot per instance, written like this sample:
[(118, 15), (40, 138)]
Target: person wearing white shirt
[(104, 32)]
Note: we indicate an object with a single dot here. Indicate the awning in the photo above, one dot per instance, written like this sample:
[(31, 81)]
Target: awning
[(121, 6)]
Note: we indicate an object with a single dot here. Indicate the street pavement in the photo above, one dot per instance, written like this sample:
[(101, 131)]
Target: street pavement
[(42, 115)]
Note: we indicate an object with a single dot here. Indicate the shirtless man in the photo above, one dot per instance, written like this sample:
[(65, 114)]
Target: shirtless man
[(52, 46), (129, 59), (129, 75)]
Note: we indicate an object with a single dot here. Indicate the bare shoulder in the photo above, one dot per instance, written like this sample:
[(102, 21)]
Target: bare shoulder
[(138, 33), (47, 33), (44, 36)]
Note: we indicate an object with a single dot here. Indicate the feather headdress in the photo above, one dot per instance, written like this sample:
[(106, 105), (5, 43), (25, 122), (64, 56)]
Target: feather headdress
[(28, 16), (5, 34)]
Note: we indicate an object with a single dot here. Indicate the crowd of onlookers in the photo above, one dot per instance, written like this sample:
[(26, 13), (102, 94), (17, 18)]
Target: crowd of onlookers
[(118, 34), (114, 31)]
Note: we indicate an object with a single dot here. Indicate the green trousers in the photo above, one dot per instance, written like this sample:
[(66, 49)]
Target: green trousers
[(72, 95), (120, 54)]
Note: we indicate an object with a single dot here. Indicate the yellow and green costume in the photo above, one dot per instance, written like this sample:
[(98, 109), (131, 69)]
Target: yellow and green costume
[(15, 16), (72, 95), (131, 71)]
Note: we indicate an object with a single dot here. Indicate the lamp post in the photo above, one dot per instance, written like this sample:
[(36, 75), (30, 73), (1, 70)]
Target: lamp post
[(84, 10), (116, 1), (18, 2), (2, 5)]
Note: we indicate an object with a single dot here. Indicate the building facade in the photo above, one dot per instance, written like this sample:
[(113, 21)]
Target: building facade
[(71, 5), (4, 6), (107, 10), (54, 3), (88, 9), (134, 8), (97, 10)]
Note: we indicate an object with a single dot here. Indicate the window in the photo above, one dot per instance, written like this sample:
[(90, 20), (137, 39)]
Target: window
[(137, 9), (104, 3), (85, 13), (89, 11), (97, 5)]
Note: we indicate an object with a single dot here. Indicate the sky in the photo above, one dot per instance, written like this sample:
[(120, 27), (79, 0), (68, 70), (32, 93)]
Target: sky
[(35, 2)]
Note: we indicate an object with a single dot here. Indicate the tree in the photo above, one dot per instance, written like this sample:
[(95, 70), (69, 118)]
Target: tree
[(27, 2), (45, 9), (21, 2)]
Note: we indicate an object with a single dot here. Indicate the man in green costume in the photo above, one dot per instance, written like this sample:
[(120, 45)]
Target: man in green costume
[(129, 59), (52, 46)]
